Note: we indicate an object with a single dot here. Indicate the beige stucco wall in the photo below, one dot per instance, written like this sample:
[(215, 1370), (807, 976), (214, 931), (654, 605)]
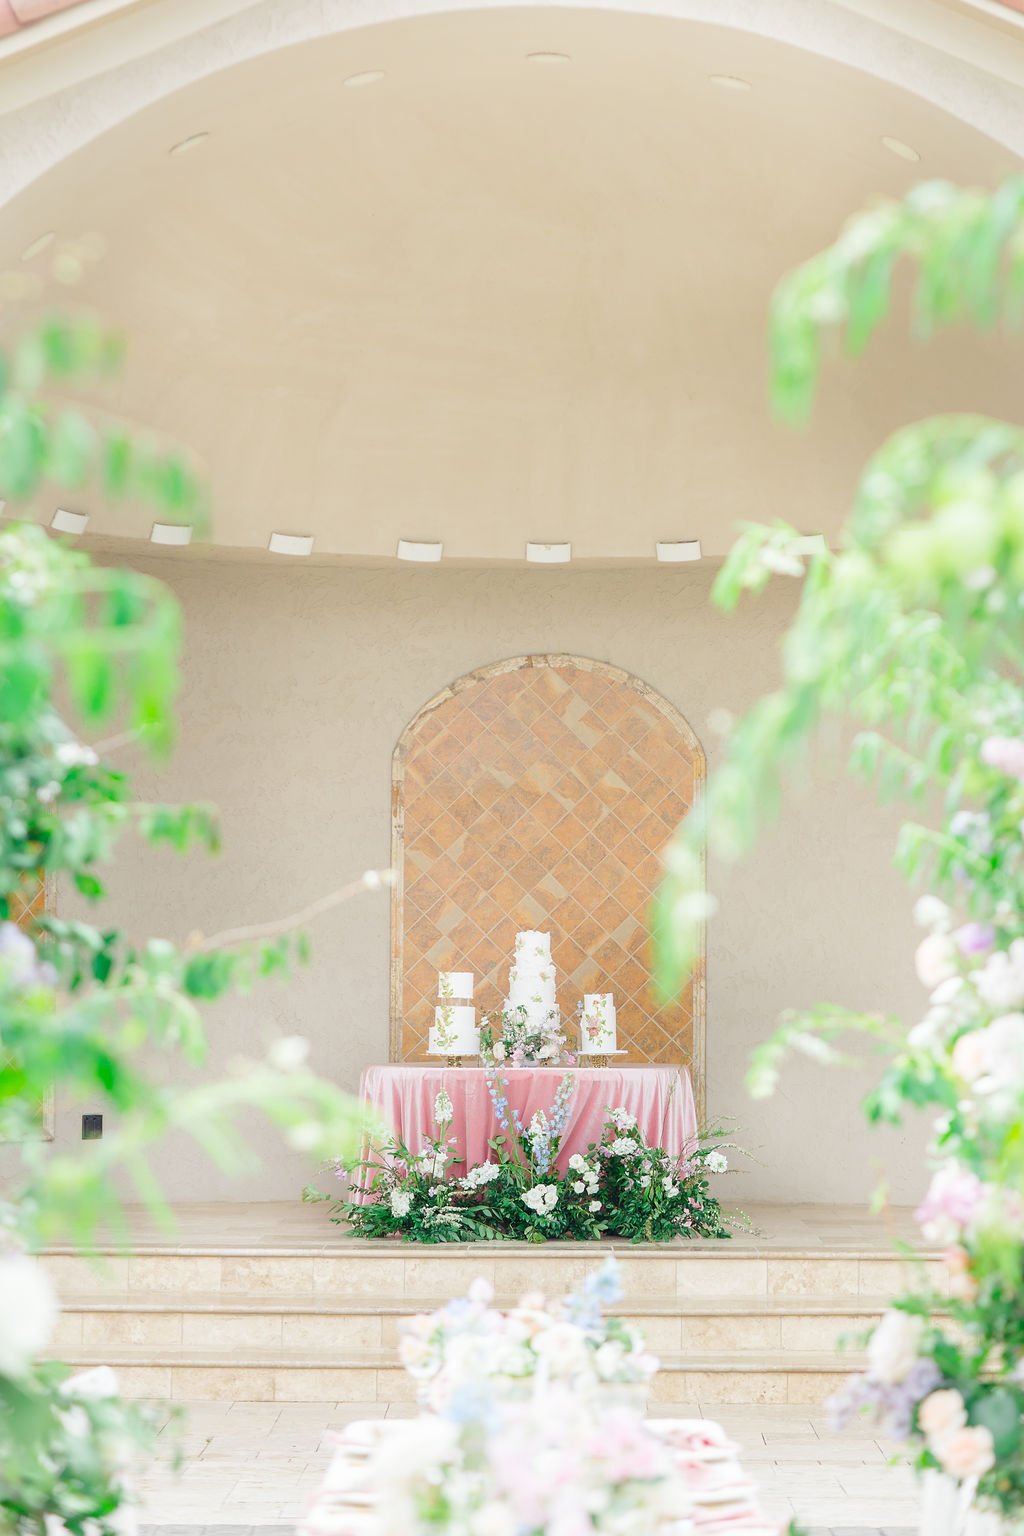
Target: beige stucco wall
[(298, 681)]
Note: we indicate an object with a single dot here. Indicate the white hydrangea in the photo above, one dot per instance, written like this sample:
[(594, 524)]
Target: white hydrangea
[(483, 1173), (401, 1202), (716, 1162), (623, 1146)]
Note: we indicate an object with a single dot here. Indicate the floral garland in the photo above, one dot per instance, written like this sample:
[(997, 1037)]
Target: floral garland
[(620, 1187)]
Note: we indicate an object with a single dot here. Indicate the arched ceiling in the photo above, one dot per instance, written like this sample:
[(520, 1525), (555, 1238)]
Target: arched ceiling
[(484, 299)]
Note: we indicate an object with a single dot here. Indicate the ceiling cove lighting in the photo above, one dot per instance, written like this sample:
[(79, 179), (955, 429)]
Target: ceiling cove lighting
[(811, 544), (365, 77), (412, 549), (675, 553), (185, 146), (171, 533), (549, 554), (291, 543), (730, 82), (63, 521), (899, 149), (548, 58)]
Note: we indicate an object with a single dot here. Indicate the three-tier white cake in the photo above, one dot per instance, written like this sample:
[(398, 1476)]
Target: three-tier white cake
[(455, 1031), (531, 982)]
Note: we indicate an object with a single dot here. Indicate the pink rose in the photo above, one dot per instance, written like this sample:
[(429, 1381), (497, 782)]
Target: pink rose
[(954, 1198), (1005, 753), (962, 1284), (941, 1413), (966, 1452)]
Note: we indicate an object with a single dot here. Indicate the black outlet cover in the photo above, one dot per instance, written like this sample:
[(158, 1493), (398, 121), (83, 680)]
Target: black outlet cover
[(92, 1127)]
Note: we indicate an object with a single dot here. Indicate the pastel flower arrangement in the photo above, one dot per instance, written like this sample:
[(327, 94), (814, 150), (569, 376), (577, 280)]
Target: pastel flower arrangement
[(946, 1368), (509, 1039), (619, 1187), (534, 1387)]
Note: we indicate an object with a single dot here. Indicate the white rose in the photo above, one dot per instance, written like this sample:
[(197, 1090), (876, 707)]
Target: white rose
[(595, 1205), (935, 960), (28, 1312), (1000, 982), (930, 912), (578, 1186), (893, 1349), (498, 1051), (577, 1163), (289, 1053)]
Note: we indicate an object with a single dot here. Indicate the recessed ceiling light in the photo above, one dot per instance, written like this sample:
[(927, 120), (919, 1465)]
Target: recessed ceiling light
[(549, 58), (38, 246), (171, 533), (898, 148), (684, 549), (194, 141), (69, 522), (365, 77), (549, 554), (412, 549), (811, 544), (730, 82), (291, 543)]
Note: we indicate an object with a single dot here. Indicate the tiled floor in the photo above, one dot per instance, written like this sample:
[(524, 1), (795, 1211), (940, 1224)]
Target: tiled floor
[(255, 1464)]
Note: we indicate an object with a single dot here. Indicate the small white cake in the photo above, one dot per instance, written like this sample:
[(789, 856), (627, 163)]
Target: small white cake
[(455, 984), (455, 1031), (597, 1026)]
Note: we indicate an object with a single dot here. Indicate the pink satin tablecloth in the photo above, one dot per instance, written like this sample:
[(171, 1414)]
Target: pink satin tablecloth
[(661, 1098)]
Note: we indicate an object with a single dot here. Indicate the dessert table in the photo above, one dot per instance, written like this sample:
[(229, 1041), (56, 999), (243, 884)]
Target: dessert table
[(660, 1097)]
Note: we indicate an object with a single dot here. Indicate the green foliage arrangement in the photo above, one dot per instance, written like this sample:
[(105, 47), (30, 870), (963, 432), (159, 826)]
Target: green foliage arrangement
[(619, 1187), (916, 629), (86, 1010)]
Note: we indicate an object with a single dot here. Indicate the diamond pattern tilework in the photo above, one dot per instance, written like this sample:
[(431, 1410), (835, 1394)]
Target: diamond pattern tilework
[(541, 795)]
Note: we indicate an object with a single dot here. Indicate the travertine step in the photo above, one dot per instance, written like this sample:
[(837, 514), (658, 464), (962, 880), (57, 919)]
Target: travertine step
[(352, 1376), (380, 1272), (218, 1320)]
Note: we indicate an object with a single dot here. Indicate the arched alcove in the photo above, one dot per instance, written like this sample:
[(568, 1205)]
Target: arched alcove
[(539, 792)]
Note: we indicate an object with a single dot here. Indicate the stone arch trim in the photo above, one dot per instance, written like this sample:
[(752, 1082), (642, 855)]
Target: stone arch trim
[(198, 38), (624, 735)]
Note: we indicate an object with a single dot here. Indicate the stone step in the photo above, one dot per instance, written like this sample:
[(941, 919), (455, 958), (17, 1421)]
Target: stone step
[(219, 1320), (380, 1272), (180, 1373)]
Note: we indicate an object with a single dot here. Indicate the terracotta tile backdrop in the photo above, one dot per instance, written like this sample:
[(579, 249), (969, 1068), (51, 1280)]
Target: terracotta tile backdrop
[(539, 793)]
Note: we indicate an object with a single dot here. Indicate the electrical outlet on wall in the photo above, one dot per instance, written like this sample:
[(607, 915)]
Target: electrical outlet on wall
[(92, 1127)]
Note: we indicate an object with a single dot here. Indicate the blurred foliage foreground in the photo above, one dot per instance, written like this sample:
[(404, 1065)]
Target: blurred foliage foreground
[(915, 628), (86, 1011)]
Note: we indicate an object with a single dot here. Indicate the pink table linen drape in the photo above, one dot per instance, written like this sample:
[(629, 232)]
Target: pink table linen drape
[(661, 1098)]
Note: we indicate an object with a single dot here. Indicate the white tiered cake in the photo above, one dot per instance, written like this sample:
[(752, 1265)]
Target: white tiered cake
[(598, 1025), (531, 983), (455, 1031)]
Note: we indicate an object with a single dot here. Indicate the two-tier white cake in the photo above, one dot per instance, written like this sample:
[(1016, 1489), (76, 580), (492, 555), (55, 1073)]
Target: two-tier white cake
[(531, 982), (455, 1031)]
